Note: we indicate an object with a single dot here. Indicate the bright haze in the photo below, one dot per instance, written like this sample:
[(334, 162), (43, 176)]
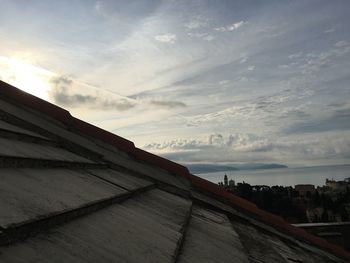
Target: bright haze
[(194, 81)]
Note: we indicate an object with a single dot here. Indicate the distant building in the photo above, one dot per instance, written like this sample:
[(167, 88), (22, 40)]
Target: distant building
[(231, 183), (225, 181), (305, 189), (338, 186)]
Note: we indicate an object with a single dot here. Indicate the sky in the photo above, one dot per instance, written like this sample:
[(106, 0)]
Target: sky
[(237, 81)]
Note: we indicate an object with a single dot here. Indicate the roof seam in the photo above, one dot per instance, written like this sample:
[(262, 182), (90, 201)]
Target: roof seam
[(60, 141), (24, 230), (108, 181), (183, 231), (16, 136), (23, 162)]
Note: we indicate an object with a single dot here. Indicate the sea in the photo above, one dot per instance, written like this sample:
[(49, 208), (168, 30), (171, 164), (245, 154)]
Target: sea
[(315, 175)]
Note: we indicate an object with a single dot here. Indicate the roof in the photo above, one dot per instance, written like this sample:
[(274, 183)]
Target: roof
[(72, 192)]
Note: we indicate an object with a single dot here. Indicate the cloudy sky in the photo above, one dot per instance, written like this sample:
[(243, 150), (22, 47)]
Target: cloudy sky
[(195, 81)]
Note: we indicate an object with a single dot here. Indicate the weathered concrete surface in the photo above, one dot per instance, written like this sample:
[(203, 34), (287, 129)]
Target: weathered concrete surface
[(142, 229), (9, 127), (26, 194), (124, 180), (262, 247), (111, 154), (256, 244), (15, 148), (211, 238)]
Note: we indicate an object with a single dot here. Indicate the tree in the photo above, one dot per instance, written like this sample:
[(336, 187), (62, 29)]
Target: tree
[(344, 214), (316, 199), (324, 217)]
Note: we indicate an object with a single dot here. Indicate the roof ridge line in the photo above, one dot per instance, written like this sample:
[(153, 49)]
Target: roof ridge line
[(32, 101), (66, 118)]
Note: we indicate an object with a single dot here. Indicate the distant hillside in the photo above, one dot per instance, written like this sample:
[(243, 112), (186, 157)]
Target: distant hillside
[(200, 168), (255, 166), (209, 168)]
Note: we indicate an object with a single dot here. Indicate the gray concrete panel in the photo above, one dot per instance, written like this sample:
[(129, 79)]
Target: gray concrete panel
[(124, 180), (21, 149), (9, 127), (211, 238), (26, 194), (142, 229)]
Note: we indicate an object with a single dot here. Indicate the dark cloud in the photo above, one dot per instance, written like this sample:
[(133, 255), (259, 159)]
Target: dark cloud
[(61, 95), (340, 120), (168, 104)]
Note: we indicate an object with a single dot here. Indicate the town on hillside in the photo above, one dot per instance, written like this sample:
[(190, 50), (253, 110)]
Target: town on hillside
[(303, 203)]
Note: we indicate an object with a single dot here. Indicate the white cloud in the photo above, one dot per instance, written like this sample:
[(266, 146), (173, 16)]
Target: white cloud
[(224, 82), (342, 43), (235, 26), (295, 55), (243, 60), (251, 68), (166, 38), (194, 24), (204, 36), (208, 38), (231, 27), (331, 30)]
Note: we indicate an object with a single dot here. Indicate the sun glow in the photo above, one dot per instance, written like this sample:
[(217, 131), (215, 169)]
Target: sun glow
[(25, 76)]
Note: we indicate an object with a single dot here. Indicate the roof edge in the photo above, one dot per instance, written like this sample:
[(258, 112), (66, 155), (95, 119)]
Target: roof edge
[(163, 163), (64, 116), (24, 98)]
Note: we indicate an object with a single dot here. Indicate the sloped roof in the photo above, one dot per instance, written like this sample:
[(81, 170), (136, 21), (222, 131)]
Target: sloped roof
[(72, 192)]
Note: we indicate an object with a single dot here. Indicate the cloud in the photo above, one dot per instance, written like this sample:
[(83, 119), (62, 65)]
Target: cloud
[(62, 95), (339, 120), (241, 147), (176, 145), (238, 142), (331, 30), (314, 62), (168, 104), (251, 68), (342, 43), (204, 36), (295, 55), (65, 93), (231, 27), (166, 38), (243, 60), (196, 23)]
